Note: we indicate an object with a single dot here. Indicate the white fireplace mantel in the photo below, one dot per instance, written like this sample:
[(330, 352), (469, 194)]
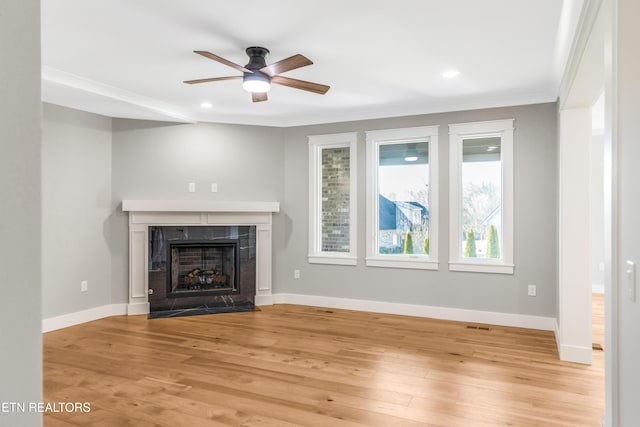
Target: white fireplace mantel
[(145, 213), (197, 206)]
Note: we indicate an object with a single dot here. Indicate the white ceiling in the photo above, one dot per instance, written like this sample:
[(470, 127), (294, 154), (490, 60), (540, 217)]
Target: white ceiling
[(128, 58)]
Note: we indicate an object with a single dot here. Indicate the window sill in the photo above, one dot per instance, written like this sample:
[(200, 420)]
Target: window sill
[(478, 267), (333, 259), (417, 262)]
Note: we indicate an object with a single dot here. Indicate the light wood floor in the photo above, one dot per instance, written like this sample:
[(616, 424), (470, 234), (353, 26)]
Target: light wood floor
[(294, 365)]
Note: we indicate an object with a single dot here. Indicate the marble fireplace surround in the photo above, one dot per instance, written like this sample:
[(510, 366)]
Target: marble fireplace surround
[(145, 213)]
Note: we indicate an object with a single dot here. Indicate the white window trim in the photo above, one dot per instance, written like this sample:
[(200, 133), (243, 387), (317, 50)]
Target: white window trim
[(316, 144), (374, 139), (458, 132)]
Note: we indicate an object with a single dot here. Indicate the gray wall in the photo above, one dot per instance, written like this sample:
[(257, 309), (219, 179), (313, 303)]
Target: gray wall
[(535, 224), (20, 318), (76, 206), (153, 160)]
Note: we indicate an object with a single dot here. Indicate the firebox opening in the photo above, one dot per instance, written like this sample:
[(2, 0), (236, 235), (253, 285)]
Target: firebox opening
[(203, 268)]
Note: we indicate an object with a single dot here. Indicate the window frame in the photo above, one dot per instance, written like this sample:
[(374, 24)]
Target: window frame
[(401, 136), (316, 144), (457, 134)]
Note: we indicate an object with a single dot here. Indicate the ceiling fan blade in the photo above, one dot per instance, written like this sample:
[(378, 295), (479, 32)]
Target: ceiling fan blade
[(222, 61), (212, 79), (300, 84), (288, 64), (259, 96)]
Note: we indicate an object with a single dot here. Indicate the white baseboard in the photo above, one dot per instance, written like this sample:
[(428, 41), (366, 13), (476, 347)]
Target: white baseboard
[(78, 317), (137, 308), (571, 353), (556, 332), (574, 353), (445, 313), (264, 300), (95, 313), (597, 288)]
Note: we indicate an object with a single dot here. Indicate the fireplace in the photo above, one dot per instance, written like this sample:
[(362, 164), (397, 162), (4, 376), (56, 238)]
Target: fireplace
[(202, 267), (201, 270), (148, 260)]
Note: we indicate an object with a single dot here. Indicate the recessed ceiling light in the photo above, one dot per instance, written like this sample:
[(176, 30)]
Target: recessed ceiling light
[(451, 73), (206, 105)]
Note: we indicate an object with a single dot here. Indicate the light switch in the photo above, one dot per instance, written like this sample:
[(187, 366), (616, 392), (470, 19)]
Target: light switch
[(214, 187), (631, 280), (192, 187)]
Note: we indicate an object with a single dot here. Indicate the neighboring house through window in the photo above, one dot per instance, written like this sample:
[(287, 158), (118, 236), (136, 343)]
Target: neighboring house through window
[(402, 194)]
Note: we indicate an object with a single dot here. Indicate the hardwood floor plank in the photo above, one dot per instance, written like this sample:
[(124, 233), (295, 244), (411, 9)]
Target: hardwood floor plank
[(294, 365)]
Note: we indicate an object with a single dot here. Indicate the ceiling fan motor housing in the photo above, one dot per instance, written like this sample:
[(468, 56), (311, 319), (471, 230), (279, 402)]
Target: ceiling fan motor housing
[(257, 57), (256, 81)]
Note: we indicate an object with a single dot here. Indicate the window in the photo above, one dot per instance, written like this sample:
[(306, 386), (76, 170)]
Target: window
[(332, 199), (402, 197), (481, 196)]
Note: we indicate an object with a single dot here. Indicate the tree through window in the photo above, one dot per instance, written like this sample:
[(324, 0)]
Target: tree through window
[(481, 196)]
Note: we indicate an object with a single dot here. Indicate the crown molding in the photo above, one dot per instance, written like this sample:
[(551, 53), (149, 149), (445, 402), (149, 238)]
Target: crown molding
[(113, 93), (587, 19)]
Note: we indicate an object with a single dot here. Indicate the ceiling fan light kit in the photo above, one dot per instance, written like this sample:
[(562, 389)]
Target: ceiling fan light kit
[(256, 82), (258, 76)]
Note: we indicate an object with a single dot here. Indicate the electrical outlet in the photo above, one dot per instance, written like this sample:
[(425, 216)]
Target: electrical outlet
[(532, 290), (296, 274), (192, 187), (84, 286)]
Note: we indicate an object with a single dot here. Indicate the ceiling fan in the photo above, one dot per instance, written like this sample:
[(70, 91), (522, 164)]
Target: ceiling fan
[(258, 76)]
